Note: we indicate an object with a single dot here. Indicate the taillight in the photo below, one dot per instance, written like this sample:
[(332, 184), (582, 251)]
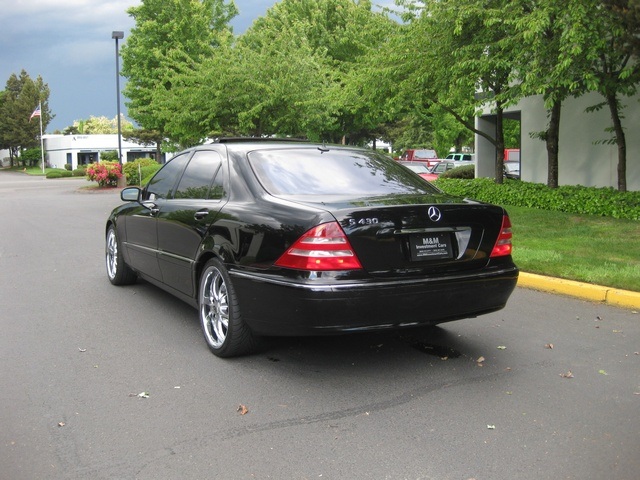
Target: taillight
[(322, 248), (503, 243)]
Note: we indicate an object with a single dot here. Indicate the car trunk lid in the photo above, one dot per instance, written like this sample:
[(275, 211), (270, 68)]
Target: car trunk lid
[(429, 234)]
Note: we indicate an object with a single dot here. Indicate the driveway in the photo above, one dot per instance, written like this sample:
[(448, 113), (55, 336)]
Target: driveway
[(104, 382)]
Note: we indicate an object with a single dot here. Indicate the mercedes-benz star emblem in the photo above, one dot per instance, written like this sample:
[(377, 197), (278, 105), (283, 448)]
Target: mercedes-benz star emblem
[(434, 214)]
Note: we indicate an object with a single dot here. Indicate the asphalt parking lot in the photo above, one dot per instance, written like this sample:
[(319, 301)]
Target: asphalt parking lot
[(106, 382)]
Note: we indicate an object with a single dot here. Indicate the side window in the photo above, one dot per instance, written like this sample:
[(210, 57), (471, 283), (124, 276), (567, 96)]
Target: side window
[(196, 182), (162, 184), (217, 187)]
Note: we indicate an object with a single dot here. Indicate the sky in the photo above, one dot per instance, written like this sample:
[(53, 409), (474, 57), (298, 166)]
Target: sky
[(68, 43)]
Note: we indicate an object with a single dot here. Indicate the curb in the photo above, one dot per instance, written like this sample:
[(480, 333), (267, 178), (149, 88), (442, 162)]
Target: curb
[(585, 291)]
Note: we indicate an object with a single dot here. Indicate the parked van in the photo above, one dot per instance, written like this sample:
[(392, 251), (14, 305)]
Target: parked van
[(461, 157)]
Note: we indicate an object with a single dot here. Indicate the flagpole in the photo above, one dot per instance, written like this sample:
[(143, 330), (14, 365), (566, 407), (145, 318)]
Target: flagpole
[(41, 139)]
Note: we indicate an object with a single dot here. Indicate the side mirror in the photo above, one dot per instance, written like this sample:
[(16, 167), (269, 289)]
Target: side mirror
[(130, 194)]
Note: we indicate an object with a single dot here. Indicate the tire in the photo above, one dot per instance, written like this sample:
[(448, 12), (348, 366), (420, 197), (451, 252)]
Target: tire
[(118, 271), (224, 331)]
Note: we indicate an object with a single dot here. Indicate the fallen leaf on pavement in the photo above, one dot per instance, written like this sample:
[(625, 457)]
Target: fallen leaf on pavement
[(549, 346), (479, 361), (491, 427), (567, 375), (602, 372), (242, 409), (61, 424), (502, 347), (139, 395)]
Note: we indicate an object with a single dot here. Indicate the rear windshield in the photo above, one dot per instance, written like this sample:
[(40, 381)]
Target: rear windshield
[(425, 154), (334, 172)]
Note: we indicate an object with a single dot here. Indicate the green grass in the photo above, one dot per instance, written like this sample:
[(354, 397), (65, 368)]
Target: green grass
[(36, 171), (586, 248)]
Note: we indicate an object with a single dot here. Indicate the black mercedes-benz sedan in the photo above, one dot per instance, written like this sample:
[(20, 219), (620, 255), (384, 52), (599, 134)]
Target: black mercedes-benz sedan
[(290, 238)]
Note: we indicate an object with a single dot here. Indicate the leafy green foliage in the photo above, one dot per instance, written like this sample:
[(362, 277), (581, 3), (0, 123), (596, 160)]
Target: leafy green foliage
[(98, 126), (148, 172), (170, 39), (109, 156), (465, 172), (21, 96), (31, 156), (132, 169), (58, 173), (568, 198)]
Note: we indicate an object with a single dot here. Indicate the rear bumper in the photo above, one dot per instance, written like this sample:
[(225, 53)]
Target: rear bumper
[(275, 307)]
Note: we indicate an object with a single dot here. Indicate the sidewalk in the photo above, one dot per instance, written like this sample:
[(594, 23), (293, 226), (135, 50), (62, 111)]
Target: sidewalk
[(586, 291)]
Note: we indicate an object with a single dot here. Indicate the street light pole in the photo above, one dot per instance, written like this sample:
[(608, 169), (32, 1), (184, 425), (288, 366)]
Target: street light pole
[(118, 36)]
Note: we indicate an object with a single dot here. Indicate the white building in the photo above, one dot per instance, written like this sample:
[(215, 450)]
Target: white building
[(582, 159), (84, 149)]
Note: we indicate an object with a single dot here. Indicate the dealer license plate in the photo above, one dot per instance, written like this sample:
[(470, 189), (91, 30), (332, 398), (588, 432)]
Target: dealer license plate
[(430, 246)]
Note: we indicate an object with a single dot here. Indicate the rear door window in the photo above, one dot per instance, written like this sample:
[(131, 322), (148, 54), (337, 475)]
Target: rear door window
[(163, 183), (197, 181)]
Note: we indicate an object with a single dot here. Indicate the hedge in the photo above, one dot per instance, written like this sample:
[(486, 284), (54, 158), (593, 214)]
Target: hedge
[(130, 169), (605, 202), (58, 174)]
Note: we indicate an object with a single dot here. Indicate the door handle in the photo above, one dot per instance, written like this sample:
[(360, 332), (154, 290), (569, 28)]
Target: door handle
[(200, 214), (153, 208)]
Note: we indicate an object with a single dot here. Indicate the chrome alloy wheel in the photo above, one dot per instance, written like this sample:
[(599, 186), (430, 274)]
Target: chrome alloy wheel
[(112, 254), (214, 308)]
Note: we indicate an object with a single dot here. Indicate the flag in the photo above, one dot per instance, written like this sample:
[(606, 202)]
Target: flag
[(36, 113)]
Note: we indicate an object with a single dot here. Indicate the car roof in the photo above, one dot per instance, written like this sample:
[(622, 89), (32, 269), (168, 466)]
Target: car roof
[(244, 144)]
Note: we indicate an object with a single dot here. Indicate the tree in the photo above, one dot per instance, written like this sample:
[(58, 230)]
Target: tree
[(458, 55), (612, 69), (21, 96), (547, 65), (98, 125), (146, 137), (626, 13), (169, 36), (575, 46), (305, 59)]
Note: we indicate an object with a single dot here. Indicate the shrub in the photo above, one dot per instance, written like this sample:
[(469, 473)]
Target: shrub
[(577, 199), (67, 166), (109, 156), (465, 172), (58, 174), (31, 156), (105, 173), (131, 169), (148, 172), (79, 172)]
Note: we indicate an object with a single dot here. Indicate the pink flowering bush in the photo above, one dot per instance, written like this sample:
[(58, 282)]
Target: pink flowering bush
[(105, 173)]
